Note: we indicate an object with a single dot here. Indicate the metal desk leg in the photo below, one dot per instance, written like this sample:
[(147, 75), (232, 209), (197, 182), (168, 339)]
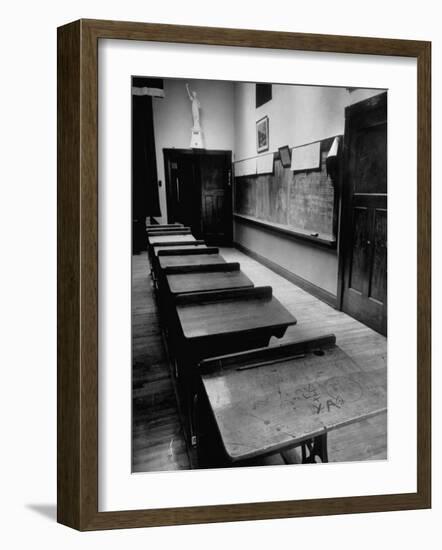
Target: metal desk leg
[(316, 447), (194, 421)]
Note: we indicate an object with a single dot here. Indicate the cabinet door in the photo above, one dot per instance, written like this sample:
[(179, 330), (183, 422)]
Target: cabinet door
[(183, 191), (216, 197)]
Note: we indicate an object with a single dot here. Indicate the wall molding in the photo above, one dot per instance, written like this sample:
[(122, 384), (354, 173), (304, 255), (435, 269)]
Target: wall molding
[(316, 291)]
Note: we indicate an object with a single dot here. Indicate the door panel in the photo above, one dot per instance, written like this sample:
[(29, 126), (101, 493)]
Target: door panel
[(358, 260), (182, 191), (378, 282), (187, 208), (216, 205), (370, 170), (213, 206), (364, 214)]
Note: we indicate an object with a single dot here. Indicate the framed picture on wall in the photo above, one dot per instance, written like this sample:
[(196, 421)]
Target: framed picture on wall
[(210, 297), (262, 134)]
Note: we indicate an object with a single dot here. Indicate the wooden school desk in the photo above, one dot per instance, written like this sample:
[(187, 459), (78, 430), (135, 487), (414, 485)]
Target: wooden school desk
[(171, 238), (203, 256), (213, 323), (168, 239), (186, 245), (202, 278), (153, 251), (269, 400), (168, 231), (168, 234), (179, 259), (230, 320), (176, 280), (166, 225)]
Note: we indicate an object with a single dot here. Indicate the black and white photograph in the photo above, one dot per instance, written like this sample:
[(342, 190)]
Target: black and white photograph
[(205, 340), (259, 274)]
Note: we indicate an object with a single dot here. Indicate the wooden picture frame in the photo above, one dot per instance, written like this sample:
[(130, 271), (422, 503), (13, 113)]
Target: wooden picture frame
[(262, 134), (77, 224)]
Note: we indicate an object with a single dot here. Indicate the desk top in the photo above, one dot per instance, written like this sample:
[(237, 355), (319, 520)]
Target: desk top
[(263, 402), (160, 239), (189, 246), (219, 277), (163, 225), (231, 312), (190, 259), (168, 231)]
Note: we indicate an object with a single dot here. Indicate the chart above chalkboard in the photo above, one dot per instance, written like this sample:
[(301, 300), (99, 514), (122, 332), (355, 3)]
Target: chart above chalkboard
[(299, 201)]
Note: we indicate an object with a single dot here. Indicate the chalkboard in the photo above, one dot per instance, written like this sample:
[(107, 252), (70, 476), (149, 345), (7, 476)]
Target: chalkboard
[(303, 202)]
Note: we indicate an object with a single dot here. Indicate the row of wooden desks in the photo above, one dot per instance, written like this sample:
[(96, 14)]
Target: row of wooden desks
[(254, 400), (208, 307), (168, 238)]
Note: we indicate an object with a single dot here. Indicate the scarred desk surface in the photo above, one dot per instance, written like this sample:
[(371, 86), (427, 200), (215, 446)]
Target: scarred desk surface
[(264, 403), (223, 277), (234, 312)]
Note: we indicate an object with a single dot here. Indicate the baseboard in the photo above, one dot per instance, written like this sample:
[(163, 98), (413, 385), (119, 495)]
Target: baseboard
[(314, 290)]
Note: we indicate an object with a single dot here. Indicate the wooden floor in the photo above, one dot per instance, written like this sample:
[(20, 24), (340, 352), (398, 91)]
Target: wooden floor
[(157, 438), (158, 442)]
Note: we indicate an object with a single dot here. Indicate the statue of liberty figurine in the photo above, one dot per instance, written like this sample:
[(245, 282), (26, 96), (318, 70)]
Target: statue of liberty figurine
[(196, 140)]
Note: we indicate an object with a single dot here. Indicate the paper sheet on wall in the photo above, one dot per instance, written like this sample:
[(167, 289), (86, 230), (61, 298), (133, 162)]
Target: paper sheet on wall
[(306, 157), (333, 149), (264, 164), (245, 167)]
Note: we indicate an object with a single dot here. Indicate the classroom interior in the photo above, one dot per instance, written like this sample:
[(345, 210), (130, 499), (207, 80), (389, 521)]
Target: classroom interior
[(259, 274)]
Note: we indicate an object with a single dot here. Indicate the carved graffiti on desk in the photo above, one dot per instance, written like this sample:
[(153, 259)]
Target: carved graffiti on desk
[(338, 391)]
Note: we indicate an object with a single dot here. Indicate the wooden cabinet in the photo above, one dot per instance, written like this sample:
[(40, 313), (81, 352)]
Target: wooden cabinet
[(199, 192)]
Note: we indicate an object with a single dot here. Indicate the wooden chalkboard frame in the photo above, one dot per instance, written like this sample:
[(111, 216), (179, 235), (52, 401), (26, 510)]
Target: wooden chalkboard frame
[(77, 460)]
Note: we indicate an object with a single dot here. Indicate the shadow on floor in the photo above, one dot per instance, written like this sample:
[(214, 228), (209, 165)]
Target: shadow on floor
[(49, 511)]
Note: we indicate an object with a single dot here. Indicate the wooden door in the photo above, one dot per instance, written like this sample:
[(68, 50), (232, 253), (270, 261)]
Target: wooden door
[(182, 190), (364, 214), (198, 188), (216, 198)]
